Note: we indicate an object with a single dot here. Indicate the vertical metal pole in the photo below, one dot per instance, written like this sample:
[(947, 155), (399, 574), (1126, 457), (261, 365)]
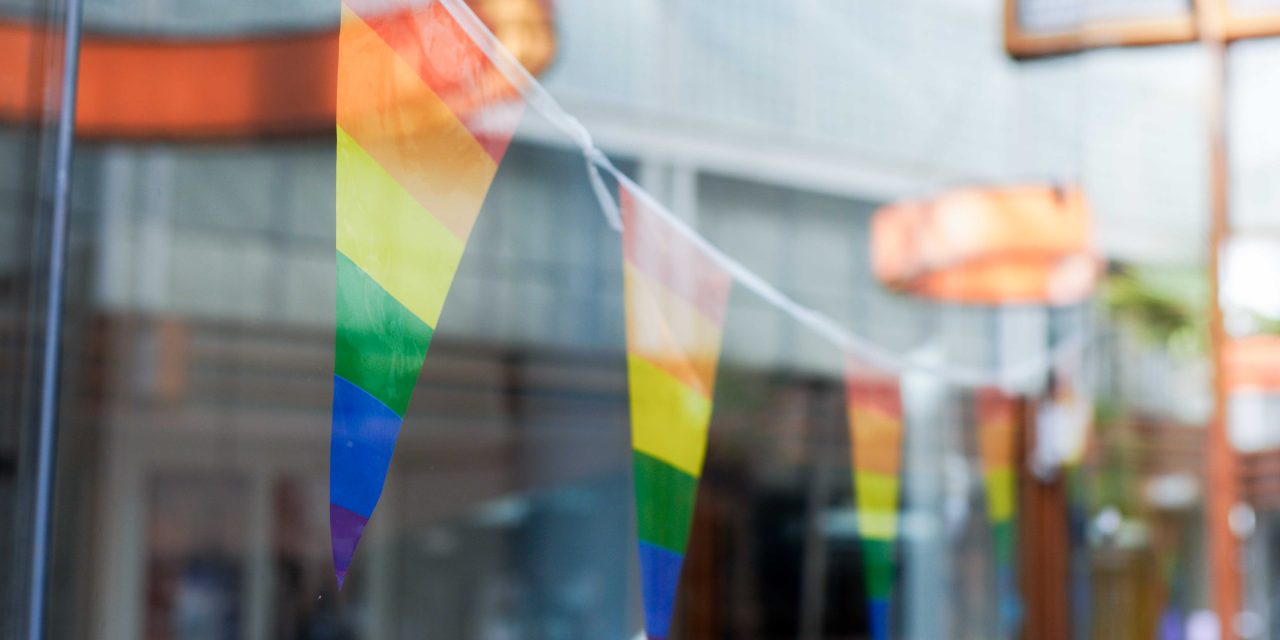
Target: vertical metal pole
[(47, 436), (1222, 475)]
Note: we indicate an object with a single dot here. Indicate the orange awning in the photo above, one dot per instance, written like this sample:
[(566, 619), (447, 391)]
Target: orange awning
[(1020, 244), (156, 88)]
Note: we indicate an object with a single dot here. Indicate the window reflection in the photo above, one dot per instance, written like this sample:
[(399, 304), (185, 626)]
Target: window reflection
[(193, 472)]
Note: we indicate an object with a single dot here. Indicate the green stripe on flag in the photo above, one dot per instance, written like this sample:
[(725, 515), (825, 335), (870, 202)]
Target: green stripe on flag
[(1003, 535), (380, 345), (877, 567), (664, 502)]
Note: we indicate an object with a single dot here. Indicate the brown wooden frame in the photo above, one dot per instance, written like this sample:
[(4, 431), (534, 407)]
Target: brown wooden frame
[(1246, 26), (1021, 43)]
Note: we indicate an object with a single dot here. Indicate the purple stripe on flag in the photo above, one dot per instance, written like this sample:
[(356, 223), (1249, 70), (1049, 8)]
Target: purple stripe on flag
[(345, 528)]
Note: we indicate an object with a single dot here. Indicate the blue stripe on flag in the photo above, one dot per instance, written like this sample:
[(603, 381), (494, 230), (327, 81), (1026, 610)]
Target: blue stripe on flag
[(364, 435), (659, 578)]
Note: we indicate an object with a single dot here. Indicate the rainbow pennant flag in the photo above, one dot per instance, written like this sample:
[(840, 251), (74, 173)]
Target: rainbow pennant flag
[(676, 299), (417, 148), (875, 431), (997, 443)]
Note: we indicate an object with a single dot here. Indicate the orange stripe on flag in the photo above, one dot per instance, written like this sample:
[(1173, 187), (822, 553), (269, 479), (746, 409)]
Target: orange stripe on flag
[(669, 332), (387, 108), (877, 439), (996, 429), (432, 43), (875, 422)]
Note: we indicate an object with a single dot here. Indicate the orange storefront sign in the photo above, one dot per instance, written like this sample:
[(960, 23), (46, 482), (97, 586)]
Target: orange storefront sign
[(1004, 245), (155, 87)]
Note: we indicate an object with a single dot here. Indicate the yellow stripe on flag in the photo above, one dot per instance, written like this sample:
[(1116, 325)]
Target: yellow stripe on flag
[(877, 501), (877, 525), (391, 236), (394, 115), (669, 419), (999, 493), (669, 332)]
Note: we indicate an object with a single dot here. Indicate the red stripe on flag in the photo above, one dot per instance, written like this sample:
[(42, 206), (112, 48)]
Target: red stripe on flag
[(658, 249), (881, 394)]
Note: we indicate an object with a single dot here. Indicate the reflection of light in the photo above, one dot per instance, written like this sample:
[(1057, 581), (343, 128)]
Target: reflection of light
[(1250, 271), (502, 513), (1108, 522), (1203, 625), (1016, 244), (523, 26), (1251, 624), (840, 523), (1062, 428), (1173, 492), (1248, 426), (1242, 520)]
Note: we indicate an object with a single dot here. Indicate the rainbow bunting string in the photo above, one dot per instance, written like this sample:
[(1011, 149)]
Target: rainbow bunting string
[(676, 299), (875, 430), (413, 169), (997, 442)]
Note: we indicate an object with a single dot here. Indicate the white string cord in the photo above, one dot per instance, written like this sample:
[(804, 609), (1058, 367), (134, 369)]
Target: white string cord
[(538, 98)]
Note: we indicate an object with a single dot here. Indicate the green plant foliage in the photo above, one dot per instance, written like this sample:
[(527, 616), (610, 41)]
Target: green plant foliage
[(1266, 325), (1165, 306)]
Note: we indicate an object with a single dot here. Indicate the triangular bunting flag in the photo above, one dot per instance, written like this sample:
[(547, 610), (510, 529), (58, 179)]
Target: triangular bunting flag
[(416, 153), (1063, 421), (997, 442), (875, 433), (676, 299), (1076, 406)]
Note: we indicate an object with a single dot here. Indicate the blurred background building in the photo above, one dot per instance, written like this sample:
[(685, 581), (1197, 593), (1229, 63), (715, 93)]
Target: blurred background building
[(195, 388)]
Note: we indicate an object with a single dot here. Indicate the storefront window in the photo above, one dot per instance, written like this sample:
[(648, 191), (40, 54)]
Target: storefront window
[(195, 387)]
